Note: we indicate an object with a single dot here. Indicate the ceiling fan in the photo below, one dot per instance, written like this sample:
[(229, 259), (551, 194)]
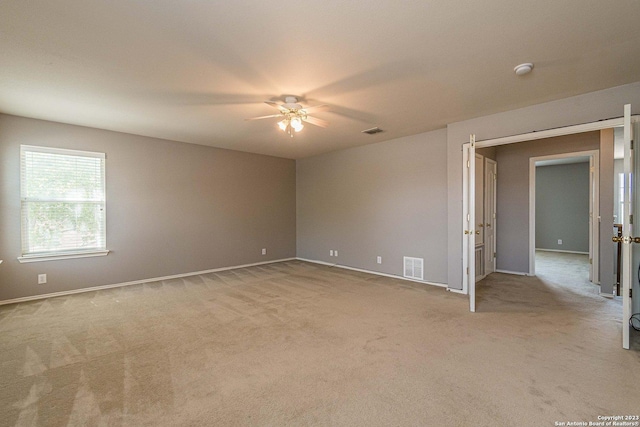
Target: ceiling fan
[(293, 115)]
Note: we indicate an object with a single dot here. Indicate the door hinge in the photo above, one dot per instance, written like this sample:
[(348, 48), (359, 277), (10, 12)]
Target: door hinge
[(468, 217), (630, 293), (494, 255), (630, 219), (468, 164), (467, 270), (590, 260), (631, 144)]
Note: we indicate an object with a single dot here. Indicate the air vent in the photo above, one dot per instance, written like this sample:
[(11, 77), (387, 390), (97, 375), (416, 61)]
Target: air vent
[(413, 268), (373, 131)]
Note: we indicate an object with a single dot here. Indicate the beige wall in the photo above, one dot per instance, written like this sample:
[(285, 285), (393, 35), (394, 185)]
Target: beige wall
[(387, 199), (172, 208)]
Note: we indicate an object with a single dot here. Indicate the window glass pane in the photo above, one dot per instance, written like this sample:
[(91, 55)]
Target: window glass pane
[(63, 201), (64, 226), (62, 177)]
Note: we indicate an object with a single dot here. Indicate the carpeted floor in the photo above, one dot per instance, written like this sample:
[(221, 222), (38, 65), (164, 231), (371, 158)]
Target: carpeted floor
[(565, 269), (297, 344)]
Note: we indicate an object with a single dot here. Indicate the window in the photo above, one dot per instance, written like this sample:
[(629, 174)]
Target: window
[(62, 203)]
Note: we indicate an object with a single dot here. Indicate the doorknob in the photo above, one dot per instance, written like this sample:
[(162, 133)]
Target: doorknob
[(625, 239), (477, 231), (481, 225), (488, 225)]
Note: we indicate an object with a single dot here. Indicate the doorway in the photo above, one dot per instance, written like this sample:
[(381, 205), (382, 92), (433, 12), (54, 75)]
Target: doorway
[(564, 196), (512, 245), (631, 182)]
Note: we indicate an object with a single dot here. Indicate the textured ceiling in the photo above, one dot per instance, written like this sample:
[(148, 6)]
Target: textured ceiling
[(194, 70)]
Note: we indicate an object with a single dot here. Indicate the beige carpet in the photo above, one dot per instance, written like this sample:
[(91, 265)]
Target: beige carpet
[(299, 344)]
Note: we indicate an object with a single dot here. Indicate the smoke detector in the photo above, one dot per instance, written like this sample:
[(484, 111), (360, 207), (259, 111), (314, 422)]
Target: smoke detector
[(523, 69)]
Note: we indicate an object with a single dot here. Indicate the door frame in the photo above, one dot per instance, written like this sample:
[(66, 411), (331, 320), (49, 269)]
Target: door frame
[(594, 208), (467, 288), (493, 227)]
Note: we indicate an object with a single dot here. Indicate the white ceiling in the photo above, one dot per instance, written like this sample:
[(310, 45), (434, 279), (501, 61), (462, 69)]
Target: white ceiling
[(194, 70)]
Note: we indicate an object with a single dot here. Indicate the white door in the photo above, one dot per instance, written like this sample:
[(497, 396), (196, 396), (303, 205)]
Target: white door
[(479, 224), (479, 185), (490, 187), (626, 269), (468, 221)]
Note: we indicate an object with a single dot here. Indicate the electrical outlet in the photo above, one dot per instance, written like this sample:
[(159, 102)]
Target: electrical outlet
[(330, 252), (42, 279), (559, 241), (264, 251), (379, 260), (335, 252)]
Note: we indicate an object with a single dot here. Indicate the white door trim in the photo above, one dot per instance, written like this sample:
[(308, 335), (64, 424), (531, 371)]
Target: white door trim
[(594, 206), (567, 130), (627, 225)]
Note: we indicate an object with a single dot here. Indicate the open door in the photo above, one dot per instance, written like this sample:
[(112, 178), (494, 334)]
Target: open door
[(627, 238), (491, 185), (468, 220)]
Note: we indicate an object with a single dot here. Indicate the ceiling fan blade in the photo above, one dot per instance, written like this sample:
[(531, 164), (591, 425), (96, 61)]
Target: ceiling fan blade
[(315, 121), (265, 117), (274, 105), (316, 108)]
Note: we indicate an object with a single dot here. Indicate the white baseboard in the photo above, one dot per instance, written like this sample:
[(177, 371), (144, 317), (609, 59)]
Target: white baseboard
[(330, 264), (517, 273), (564, 252), (134, 282), (377, 273)]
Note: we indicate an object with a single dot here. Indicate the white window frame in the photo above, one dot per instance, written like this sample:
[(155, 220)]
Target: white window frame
[(66, 253)]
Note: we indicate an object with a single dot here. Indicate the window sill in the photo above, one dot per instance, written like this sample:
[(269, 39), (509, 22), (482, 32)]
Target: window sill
[(59, 256)]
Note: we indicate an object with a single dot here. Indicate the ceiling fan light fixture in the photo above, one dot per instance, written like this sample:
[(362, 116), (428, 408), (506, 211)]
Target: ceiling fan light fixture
[(293, 115), (296, 122)]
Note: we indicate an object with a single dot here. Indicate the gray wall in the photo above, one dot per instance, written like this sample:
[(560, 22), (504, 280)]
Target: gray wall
[(562, 207), (575, 110), (172, 208), (386, 199), (513, 193)]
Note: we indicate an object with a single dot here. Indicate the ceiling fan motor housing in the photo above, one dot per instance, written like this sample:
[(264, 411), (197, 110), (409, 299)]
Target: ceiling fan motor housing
[(291, 103)]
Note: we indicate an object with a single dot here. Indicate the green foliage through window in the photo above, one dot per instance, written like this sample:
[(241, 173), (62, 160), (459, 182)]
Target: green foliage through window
[(63, 201)]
